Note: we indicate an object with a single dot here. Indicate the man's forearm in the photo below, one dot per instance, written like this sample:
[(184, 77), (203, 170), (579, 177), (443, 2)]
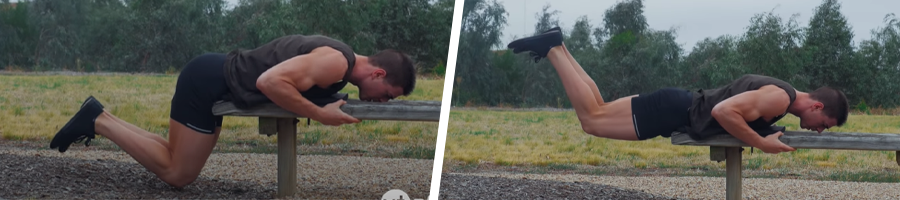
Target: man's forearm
[(286, 96)]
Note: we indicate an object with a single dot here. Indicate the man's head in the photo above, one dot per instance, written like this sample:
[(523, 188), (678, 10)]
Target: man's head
[(829, 108), (387, 75)]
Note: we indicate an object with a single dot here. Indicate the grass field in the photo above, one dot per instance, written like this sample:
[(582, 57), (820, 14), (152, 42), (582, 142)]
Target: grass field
[(554, 140), (34, 107)]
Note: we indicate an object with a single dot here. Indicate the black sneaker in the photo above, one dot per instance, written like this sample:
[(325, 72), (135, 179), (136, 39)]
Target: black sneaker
[(519, 50), (553, 29), (89, 99), (539, 45), (80, 127)]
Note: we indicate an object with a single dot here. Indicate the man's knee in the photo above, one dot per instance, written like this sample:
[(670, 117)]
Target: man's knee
[(589, 129), (180, 179), (589, 122)]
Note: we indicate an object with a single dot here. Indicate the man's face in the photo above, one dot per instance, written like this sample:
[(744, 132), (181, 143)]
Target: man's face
[(816, 120), (378, 90)]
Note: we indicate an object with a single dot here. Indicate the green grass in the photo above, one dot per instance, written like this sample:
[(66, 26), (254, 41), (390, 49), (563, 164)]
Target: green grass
[(547, 138), (34, 107), (884, 177), (416, 152)]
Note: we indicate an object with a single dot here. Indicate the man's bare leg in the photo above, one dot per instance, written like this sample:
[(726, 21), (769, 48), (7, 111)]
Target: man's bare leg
[(584, 76), (609, 120), (142, 132), (178, 165), (579, 93)]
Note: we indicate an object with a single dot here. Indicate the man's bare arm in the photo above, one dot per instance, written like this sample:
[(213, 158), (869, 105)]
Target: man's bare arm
[(734, 113), (281, 83)]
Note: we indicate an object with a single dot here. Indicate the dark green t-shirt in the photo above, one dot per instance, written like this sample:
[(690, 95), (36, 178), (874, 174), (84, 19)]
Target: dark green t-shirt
[(704, 125), (243, 67)]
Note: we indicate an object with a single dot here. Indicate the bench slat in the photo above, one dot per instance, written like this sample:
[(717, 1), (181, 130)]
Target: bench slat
[(806, 140), (398, 110)]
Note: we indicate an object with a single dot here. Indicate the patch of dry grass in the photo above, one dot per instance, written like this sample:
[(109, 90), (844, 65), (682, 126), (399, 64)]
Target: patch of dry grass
[(35, 107), (541, 138)]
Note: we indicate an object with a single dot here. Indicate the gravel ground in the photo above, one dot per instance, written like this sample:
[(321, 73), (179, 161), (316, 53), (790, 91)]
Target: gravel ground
[(459, 186), (82, 174), (673, 187)]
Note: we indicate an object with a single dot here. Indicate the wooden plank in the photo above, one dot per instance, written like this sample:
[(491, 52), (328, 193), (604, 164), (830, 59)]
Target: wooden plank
[(399, 110), (806, 140), (267, 126), (733, 173), (717, 153), (287, 157)]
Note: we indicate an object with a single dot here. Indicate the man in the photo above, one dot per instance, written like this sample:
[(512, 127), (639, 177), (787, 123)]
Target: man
[(291, 71), (746, 108)]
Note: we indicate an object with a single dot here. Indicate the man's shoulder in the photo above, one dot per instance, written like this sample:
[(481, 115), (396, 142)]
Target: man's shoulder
[(775, 97), (759, 76)]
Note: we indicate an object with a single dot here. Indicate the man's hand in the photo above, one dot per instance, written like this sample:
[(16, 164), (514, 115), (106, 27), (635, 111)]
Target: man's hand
[(332, 115), (771, 144)]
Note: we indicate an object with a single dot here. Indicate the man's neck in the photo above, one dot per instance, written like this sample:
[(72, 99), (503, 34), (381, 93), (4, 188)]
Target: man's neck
[(802, 101), (358, 70)]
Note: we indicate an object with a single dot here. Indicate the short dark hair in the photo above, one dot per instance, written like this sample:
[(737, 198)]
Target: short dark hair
[(400, 68), (836, 105)]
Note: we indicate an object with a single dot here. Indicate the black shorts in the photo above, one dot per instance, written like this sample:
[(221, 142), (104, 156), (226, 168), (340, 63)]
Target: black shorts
[(200, 85), (661, 112)]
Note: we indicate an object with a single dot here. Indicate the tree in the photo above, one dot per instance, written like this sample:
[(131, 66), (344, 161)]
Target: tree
[(879, 62), (18, 35), (828, 43), (482, 21), (579, 39), (635, 59), (770, 47), (546, 19), (626, 16), (712, 63)]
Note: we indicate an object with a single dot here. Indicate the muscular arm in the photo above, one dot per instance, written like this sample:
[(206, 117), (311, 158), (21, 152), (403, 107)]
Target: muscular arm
[(734, 113), (322, 66)]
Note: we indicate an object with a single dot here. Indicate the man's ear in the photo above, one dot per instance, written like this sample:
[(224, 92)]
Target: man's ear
[(379, 73), (818, 106)]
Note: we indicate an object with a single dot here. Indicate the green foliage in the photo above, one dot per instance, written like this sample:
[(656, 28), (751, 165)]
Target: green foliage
[(829, 52), (440, 69), (862, 107), (153, 35), (878, 61), (769, 47), (882, 177), (625, 16), (482, 22)]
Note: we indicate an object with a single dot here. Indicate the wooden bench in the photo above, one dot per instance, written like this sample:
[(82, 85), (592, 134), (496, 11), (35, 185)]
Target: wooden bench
[(274, 120), (725, 147)]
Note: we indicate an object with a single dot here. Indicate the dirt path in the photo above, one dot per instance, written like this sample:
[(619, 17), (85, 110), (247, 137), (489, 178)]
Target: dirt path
[(95, 174), (462, 186), (577, 186)]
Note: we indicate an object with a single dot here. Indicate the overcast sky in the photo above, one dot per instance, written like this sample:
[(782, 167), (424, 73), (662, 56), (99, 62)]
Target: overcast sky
[(697, 19)]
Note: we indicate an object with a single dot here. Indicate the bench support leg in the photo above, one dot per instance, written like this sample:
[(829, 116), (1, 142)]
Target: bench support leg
[(733, 173), (287, 157)]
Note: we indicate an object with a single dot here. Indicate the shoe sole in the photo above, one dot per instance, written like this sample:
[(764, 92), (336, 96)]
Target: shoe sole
[(527, 44), (514, 42)]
